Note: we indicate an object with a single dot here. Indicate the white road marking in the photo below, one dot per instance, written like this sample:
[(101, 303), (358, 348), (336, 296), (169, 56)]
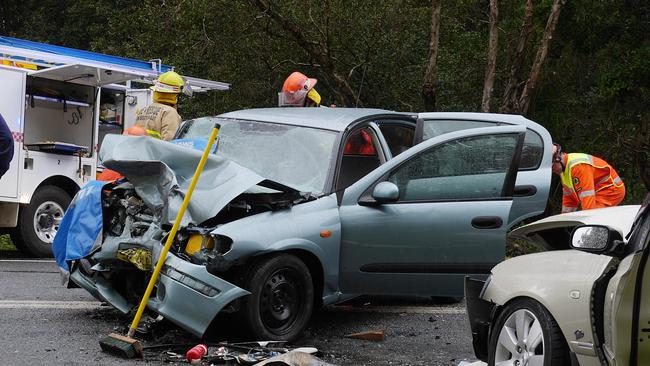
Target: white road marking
[(89, 305), (27, 260), (398, 309), (38, 304)]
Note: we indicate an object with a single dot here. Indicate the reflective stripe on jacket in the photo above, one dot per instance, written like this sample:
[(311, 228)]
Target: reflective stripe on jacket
[(583, 177)]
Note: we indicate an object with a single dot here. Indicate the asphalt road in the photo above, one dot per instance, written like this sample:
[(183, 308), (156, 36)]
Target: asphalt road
[(43, 323)]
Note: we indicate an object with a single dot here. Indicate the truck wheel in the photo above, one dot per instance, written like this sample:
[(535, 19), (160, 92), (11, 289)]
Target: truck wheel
[(39, 221), (281, 300)]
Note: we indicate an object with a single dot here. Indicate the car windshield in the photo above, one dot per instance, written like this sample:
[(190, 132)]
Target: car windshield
[(295, 156)]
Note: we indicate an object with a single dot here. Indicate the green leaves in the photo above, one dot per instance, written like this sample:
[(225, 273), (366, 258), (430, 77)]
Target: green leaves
[(592, 93)]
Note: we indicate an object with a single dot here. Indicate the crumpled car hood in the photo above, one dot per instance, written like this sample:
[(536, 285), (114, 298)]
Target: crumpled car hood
[(161, 174), (545, 233)]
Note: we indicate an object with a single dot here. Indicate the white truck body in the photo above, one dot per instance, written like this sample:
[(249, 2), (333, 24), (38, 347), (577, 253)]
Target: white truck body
[(55, 94)]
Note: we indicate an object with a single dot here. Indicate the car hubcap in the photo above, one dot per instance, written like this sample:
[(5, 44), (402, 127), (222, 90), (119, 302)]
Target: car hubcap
[(521, 341), (47, 219), (280, 301)]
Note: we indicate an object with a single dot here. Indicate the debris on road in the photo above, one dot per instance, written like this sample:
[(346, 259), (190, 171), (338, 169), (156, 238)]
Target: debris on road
[(372, 335), (468, 363), (294, 358), (197, 352), (243, 353)]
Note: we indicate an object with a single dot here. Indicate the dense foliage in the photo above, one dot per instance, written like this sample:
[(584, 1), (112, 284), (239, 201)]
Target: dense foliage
[(592, 94)]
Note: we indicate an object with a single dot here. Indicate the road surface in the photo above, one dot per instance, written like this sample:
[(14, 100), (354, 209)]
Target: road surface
[(44, 323)]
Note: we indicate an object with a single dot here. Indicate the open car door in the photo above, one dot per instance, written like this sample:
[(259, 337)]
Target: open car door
[(626, 312), (447, 217), (534, 178)]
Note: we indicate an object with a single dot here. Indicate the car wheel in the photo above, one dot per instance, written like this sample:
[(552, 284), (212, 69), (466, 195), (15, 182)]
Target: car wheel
[(281, 300), (39, 221), (525, 334)]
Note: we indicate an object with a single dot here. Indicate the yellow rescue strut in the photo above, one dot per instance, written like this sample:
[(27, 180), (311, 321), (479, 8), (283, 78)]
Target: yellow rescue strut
[(172, 233)]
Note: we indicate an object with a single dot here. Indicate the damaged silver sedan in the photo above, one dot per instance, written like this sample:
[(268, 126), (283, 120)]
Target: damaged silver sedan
[(300, 208)]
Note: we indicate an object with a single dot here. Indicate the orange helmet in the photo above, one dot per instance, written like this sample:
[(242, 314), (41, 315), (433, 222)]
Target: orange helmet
[(296, 89), (135, 131), (297, 81)]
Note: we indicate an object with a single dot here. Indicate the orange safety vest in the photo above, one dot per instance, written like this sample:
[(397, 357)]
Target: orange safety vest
[(590, 182)]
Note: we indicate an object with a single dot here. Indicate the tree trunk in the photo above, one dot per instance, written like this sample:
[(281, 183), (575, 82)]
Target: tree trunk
[(491, 57), (509, 100), (429, 84), (319, 51), (642, 152), (542, 51)]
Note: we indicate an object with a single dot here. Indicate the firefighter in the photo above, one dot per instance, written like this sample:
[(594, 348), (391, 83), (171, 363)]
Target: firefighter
[(587, 181), (160, 119), (298, 91), (6, 146)]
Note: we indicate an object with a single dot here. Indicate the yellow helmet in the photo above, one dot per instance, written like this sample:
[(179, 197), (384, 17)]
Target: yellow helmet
[(314, 96), (168, 82)]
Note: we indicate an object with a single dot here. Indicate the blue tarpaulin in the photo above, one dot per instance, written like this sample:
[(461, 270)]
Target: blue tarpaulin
[(196, 143), (81, 226)]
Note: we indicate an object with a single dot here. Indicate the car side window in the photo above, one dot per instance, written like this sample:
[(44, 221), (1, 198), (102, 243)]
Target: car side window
[(531, 154), (467, 168), (360, 157), (398, 137)]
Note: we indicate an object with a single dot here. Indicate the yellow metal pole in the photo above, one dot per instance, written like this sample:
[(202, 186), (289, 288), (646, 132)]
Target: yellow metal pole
[(172, 233)]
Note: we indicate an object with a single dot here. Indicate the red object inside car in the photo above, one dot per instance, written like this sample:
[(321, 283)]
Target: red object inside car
[(360, 144)]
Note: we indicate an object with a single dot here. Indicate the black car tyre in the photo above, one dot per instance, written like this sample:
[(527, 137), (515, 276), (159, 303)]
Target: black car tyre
[(525, 333), (281, 300), (39, 221)]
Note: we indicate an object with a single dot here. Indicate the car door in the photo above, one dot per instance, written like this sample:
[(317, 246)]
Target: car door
[(455, 196), (534, 178), (626, 312)]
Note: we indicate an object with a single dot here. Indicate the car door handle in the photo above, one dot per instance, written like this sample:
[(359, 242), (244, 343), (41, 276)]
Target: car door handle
[(487, 222), (525, 190)]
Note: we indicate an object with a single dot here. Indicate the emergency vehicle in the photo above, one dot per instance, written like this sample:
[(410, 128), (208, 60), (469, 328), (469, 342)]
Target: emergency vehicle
[(59, 103)]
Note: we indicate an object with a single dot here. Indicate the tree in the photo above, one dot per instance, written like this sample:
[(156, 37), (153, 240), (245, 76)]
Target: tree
[(542, 51), (429, 84), (318, 49), (492, 56)]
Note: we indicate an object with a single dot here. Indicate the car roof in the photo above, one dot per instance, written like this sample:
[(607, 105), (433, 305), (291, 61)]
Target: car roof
[(335, 119), (478, 116), (338, 119)]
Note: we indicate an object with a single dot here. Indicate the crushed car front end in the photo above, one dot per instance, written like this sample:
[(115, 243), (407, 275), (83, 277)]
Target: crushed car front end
[(202, 271)]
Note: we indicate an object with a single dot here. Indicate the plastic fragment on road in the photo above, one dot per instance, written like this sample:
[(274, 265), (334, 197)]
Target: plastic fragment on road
[(294, 358), (469, 363), (372, 335), (197, 352)]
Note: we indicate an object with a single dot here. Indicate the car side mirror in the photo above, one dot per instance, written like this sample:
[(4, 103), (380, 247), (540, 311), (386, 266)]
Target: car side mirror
[(385, 192), (597, 239)]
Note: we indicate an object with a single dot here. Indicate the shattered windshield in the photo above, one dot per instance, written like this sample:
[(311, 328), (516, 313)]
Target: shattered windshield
[(295, 156)]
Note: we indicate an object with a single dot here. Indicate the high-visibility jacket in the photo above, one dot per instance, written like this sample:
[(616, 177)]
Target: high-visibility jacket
[(160, 120), (590, 182)]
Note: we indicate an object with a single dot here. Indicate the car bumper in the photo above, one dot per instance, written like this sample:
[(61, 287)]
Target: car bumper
[(186, 294), (480, 313)]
